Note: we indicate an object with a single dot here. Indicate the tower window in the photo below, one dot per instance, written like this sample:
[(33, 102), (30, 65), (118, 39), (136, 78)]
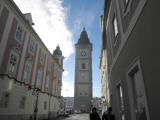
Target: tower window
[(83, 66)]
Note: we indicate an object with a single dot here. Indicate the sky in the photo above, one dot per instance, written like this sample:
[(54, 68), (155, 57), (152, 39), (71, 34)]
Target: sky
[(61, 22)]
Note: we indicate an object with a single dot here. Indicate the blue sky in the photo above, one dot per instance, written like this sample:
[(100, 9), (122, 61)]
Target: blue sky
[(61, 22), (85, 13)]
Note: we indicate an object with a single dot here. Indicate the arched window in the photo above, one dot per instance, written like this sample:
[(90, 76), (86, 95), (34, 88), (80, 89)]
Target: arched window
[(27, 71)]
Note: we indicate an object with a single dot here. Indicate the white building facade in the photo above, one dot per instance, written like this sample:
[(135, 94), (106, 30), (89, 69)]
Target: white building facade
[(30, 76)]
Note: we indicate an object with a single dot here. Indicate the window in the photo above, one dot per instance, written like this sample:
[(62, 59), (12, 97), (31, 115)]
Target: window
[(47, 83), (115, 26), (126, 2), (19, 34), (31, 47), (126, 5), (42, 57), (49, 67), (4, 100), (121, 102), (27, 71), (39, 78), (136, 93), (83, 66), (45, 105), (13, 61), (22, 102)]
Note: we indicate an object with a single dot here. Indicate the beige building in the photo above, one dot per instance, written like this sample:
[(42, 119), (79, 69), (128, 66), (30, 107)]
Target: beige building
[(30, 76), (83, 74), (104, 80)]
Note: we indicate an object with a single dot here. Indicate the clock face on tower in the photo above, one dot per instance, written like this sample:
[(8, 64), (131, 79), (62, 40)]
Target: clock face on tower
[(83, 53)]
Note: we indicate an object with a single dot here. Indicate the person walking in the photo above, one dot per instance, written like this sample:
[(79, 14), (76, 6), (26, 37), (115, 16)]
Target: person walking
[(94, 115), (107, 115)]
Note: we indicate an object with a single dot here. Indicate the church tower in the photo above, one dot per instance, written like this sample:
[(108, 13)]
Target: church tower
[(83, 74)]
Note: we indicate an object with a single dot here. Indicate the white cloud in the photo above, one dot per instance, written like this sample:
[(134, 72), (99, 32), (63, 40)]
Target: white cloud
[(49, 17), (65, 73), (67, 89)]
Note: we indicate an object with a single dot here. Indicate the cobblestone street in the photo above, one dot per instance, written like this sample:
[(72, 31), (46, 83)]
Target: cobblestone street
[(77, 117)]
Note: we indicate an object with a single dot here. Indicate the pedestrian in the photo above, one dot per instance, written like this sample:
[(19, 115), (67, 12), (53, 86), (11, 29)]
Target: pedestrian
[(94, 115), (108, 115)]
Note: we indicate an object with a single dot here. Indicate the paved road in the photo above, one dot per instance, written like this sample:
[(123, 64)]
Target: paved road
[(77, 117)]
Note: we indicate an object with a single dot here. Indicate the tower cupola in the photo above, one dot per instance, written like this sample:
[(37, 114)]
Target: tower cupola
[(57, 51)]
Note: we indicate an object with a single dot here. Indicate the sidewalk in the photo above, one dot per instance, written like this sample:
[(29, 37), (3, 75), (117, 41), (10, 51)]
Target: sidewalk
[(57, 118)]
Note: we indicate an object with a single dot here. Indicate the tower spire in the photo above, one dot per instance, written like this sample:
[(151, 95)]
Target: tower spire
[(84, 29)]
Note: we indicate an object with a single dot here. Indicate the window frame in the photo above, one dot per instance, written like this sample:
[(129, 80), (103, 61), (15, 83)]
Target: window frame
[(39, 80), (132, 69), (115, 34), (12, 67), (83, 66), (20, 40), (31, 46), (121, 101), (42, 57), (47, 83), (27, 78), (126, 6)]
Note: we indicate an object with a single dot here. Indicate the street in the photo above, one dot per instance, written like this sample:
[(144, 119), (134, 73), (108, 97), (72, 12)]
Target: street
[(77, 117)]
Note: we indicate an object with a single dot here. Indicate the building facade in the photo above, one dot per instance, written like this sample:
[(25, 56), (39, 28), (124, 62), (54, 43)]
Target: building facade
[(105, 98), (131, 35), (69, 104), (83, 74), (30, 76)]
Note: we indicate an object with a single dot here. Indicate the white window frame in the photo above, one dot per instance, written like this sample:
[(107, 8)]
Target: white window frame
[(20, 40), (132, 66)]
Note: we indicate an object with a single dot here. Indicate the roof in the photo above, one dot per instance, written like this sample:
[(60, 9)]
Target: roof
[(84, 38), (57, 51)]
